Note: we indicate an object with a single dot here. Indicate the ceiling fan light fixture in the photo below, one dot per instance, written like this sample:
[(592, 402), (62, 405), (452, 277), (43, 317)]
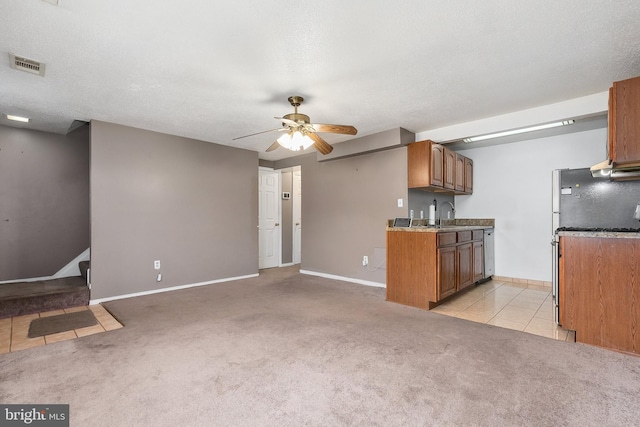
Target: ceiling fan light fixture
[(295, 141)]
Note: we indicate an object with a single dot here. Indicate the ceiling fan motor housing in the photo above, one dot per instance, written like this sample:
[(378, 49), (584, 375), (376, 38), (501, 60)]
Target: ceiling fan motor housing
[(297, 117)]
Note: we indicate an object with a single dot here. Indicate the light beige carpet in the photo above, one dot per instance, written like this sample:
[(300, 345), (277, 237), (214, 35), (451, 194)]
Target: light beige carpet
[(290, 349)]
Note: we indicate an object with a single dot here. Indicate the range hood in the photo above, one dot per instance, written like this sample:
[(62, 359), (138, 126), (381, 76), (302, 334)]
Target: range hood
[(616, 172)]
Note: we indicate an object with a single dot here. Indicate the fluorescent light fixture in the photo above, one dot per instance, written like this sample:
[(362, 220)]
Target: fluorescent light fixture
[(517, 131), (17, 118)]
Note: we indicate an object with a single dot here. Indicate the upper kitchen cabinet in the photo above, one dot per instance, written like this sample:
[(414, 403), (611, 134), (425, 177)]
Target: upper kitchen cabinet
[(468, 175), (624, 121), (434, 167), (449, 169)]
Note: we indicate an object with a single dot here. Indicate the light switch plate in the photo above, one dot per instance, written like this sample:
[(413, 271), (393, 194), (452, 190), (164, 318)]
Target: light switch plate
[(400, 203)]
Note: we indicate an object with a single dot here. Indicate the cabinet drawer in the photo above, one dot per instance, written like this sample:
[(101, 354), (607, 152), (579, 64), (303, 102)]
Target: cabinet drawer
[(445, 239), (464, 236), (478, 234)]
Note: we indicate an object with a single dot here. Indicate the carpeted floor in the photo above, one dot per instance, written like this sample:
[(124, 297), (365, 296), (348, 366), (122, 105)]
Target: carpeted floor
[(290, 349)]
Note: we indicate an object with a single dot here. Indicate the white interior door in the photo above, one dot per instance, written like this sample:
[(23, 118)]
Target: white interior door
[(269, 219), (297, 216)]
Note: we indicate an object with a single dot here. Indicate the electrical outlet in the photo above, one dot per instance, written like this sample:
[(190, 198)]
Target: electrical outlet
[(156, 264), (365, 260), (400, 203)]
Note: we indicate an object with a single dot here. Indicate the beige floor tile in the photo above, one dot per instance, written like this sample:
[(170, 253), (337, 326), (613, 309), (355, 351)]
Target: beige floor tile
[(62, 336), (507, 324), (545, 312), (74, 309), (19, 321), (488, 307), (537, 293), (51, 313), (525, 303), (90, 330), (516, 314), (111, 326), (446, 309), (475, 317), (23, 344), (546, 328)]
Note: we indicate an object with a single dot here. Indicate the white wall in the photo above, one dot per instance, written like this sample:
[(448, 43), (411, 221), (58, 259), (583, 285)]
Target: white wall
[(512, 183)]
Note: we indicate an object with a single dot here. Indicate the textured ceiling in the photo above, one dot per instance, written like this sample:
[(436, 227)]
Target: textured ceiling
[(217, 70)]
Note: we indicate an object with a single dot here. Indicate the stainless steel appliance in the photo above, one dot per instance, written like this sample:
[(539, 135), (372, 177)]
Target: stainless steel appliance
[(489, 254), (581, 202)]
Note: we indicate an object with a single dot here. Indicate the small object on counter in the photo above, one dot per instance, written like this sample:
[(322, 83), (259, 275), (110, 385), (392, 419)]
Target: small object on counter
[(422, 214), (411, 213), (432, 215), (636, 214)]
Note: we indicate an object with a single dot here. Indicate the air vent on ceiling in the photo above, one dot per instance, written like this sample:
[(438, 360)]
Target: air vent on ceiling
[(27, 65)]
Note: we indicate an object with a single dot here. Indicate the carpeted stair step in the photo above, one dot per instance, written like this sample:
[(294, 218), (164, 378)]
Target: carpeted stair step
[(20, 298), (84, 268)]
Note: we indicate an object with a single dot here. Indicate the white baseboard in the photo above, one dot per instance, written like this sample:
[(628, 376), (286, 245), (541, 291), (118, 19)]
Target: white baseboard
[(173, 288), (344, 279)]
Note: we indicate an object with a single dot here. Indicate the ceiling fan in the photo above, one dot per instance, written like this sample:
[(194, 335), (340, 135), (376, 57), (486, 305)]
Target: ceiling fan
[(301, 133)]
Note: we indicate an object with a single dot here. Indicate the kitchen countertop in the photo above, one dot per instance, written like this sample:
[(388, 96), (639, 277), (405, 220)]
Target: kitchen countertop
[(450, 225), (601, 234)]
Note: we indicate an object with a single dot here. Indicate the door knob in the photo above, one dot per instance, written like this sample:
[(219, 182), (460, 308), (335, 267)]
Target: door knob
[(297, 223), (277, 224)]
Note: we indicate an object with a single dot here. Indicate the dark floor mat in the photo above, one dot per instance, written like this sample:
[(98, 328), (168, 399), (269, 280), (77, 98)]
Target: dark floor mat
[(61, 323)]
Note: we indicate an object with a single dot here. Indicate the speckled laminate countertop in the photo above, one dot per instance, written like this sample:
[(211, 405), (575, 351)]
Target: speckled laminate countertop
[(600, 234), (449, 225)]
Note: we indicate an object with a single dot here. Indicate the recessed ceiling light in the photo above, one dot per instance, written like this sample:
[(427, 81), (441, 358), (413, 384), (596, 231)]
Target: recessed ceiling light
[(517, 131), (17, 118)]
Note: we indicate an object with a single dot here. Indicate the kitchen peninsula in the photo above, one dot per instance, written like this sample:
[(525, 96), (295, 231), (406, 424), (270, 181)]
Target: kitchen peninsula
[(426, 265), (599, 288)]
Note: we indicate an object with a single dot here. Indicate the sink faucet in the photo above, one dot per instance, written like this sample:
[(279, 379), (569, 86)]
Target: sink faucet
[(453, 209)]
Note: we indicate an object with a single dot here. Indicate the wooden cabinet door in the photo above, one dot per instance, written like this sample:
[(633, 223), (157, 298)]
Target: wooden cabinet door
[(468, 175), (625, 110), (449, 169), (459, 178), (419, 164), (465, 265), (437, 165), (446, 272), (478, 261)]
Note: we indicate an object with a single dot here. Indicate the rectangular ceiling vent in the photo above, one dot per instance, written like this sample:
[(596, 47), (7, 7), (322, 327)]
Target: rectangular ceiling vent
[(27, 65)]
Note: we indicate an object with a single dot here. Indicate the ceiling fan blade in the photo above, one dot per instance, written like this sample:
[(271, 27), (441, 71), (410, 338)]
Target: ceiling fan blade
[(258, 133), (287, 121), (343, 129), (273, 146), (321, 145)]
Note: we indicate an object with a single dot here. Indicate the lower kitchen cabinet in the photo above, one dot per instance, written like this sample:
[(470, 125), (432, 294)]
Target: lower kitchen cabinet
[(465, 265), (425, 267), (446, 279), (599, 290)]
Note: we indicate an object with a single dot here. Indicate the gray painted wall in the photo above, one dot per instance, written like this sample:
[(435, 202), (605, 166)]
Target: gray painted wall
[(345, 206), (44, 208), (421, 200), (192, 205)]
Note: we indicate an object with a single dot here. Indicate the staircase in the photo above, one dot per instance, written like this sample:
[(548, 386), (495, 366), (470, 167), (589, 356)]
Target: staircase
[(19, 298)]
